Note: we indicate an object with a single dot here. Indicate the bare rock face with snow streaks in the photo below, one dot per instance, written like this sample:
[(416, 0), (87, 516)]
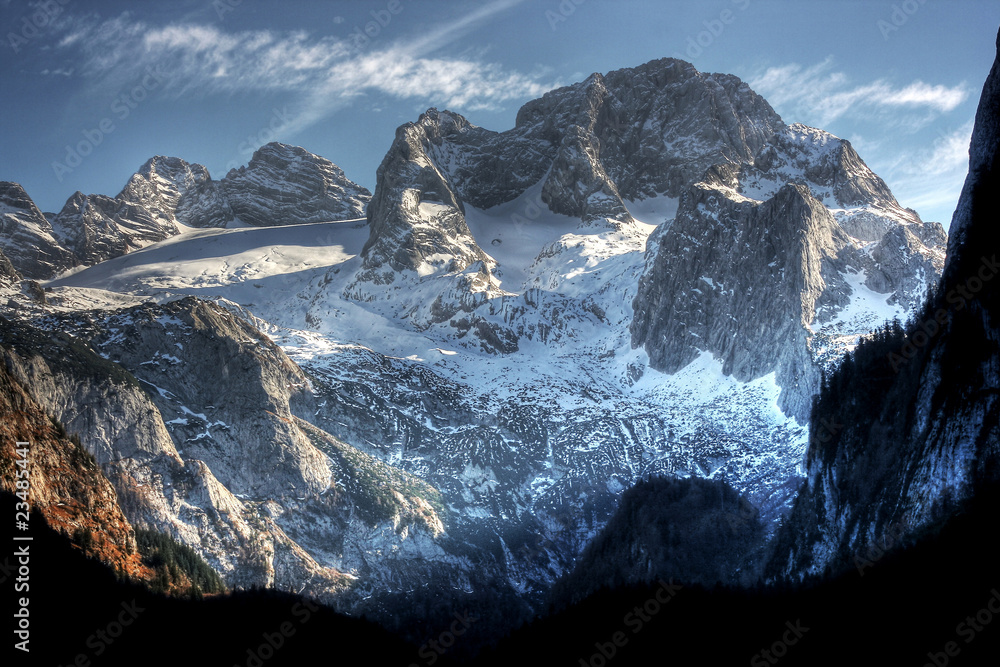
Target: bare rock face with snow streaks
[(27, 240)]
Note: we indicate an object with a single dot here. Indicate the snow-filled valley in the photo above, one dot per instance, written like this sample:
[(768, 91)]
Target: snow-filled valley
[(576, 281)]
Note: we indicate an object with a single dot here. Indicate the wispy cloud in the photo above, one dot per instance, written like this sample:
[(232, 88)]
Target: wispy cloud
[(949, 153), (930, 178), (817, 95), (320, 74)]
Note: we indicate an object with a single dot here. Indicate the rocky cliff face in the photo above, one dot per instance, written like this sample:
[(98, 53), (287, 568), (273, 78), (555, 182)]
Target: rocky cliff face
[(419, 232), (8, 274), (907, 252), (809, 229), (916, 416), (66, 484), (234, 433), (26, 237), (793, 248)]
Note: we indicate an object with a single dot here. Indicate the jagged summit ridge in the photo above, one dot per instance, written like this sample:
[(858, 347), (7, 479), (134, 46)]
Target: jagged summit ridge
[(587, 149), (282, 185), (285, 184)]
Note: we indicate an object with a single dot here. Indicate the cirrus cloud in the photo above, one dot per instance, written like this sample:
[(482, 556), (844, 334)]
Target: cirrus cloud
[(320, 74), (817, 95)]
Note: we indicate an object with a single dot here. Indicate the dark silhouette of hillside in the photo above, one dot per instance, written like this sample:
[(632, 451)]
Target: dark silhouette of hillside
[(905, 605), (78, 607), (695, 530)]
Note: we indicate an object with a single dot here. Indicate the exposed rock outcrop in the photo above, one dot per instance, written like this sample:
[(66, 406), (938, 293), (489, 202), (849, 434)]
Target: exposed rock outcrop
[(26, 237), (197, 434), (795, 253), (286, 185), (8, 273), (778, 247), (63, 479)]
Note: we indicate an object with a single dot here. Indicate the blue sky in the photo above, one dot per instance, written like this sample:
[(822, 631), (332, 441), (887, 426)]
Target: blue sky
[(91, 90)]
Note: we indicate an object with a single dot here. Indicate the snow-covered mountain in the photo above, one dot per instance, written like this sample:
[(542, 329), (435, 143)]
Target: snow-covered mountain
[(281, 185), (644, 276), (833, 257)]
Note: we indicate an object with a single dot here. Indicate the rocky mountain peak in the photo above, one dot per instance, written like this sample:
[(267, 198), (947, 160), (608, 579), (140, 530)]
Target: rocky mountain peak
[(412, 191), (829, 165), (26, 236), (276, 155), (443, 123), (282, 185), (285, 184), (12, 195), (170, 168), (662, 129), (589, 147)]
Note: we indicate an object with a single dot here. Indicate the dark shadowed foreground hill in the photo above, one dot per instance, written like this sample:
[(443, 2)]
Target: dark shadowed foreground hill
[(81, 613)]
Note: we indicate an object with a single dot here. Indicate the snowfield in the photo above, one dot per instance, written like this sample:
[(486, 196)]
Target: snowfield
[(579, 281), (565, 287)]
